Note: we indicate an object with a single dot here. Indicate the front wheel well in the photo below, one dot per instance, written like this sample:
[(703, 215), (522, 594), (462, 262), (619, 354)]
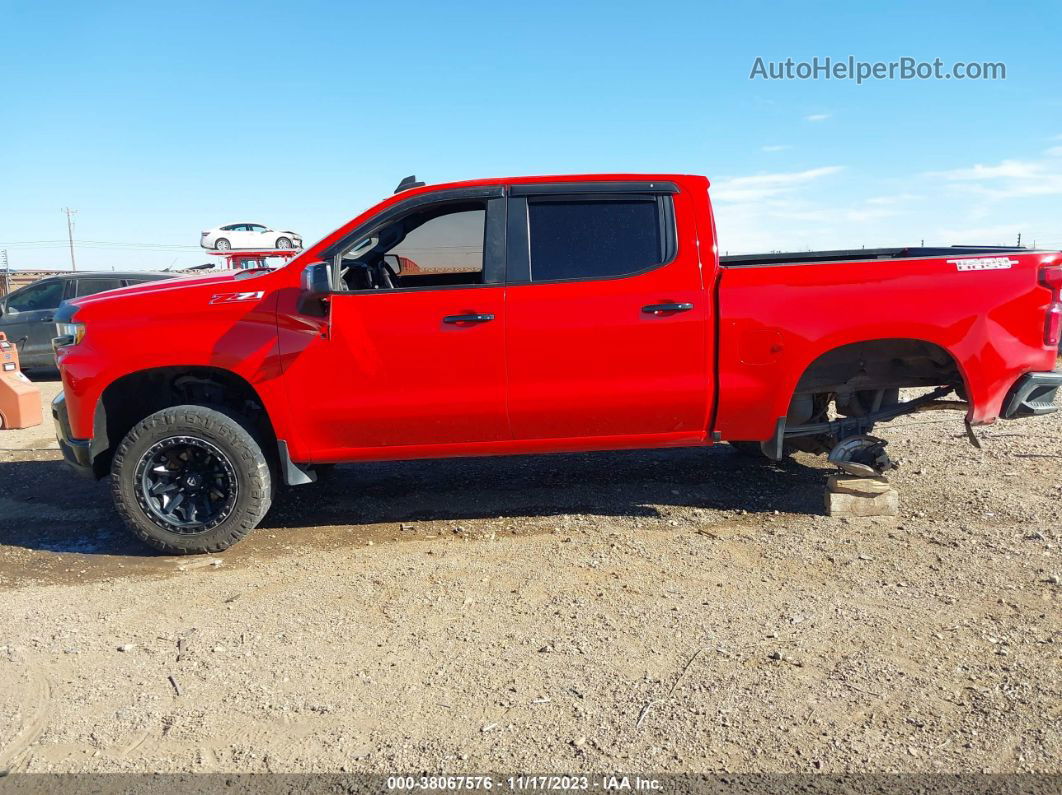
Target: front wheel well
[(131, 398)]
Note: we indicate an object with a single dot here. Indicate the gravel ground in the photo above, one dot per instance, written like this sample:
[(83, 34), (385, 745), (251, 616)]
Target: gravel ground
[(679, 611)]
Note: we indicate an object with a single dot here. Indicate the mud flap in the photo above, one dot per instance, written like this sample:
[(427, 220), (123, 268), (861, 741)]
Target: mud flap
[(293, 474)]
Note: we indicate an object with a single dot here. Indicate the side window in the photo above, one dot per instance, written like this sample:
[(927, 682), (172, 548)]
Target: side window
[(597, 238), (39, 296), (436, 247), (93, 286)]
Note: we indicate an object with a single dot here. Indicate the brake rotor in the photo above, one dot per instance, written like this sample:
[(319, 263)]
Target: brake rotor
[(862, 456)]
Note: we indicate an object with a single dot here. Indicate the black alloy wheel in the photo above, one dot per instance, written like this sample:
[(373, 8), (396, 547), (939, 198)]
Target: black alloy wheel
[(187, 485)]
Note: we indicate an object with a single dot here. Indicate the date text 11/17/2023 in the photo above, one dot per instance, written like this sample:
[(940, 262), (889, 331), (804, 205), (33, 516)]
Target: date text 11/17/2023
[(525, 783)]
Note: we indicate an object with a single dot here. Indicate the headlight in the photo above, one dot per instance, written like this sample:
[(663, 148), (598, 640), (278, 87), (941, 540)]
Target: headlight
[(69, 333)]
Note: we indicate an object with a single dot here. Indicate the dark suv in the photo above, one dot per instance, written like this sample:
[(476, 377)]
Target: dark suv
[(27, 314)]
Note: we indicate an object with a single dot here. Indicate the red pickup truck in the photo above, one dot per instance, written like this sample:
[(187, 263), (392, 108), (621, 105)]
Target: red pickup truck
[(528, 315)]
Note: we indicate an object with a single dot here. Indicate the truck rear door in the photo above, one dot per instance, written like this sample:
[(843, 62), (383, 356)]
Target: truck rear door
[(606, 314)]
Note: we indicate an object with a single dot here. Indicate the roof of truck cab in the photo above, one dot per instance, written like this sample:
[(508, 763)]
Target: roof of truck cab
[(547, 178), (422, 190)]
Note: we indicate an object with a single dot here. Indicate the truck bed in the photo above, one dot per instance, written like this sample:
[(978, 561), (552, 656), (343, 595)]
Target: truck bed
[(779, 313)]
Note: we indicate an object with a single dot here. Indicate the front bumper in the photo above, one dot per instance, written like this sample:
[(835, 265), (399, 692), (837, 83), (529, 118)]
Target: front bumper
[(77, 452), (1032, 395)]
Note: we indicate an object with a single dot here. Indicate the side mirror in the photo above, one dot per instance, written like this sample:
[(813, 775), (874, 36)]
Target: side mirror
[(317, 280), (316, 286)]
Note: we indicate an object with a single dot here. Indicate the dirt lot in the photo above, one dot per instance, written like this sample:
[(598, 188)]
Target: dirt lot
[(672, 611)]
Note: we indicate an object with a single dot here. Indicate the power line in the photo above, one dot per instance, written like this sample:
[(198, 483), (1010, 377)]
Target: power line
[(7, 243), (80, 242), (155, 245), (26, 242)]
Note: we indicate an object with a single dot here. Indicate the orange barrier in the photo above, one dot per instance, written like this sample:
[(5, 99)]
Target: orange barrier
[(20, 398)]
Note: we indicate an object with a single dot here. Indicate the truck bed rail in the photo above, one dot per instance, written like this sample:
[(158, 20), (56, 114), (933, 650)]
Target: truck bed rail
[(863, 254)]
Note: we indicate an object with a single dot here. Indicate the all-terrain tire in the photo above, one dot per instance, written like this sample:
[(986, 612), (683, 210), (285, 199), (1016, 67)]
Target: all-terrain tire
[(216, 431)]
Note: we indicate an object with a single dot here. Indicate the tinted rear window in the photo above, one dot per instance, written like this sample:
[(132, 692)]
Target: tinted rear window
[(93, 286), (594, 238)]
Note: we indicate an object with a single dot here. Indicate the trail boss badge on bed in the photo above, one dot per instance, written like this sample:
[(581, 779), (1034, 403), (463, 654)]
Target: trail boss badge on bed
[(984, 263)]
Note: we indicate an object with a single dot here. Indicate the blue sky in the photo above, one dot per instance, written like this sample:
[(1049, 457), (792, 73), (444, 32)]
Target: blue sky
[(156, 121)]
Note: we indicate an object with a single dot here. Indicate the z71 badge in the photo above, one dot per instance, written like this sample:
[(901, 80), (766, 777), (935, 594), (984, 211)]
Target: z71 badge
[(983, 263), (232, 298)]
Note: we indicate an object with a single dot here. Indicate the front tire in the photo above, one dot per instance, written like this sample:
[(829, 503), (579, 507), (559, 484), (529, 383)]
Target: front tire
[(283, 242), (221, 244), (190, 480)]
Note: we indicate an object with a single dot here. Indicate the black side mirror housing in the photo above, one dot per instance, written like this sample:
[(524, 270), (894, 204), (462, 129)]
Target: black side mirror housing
[(317, 280), (316, 286)]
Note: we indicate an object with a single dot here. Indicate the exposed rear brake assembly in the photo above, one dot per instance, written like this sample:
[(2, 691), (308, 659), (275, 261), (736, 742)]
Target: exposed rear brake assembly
[(862, 456), (855, 451)]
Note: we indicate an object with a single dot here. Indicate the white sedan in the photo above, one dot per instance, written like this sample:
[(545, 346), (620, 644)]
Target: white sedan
[(255, 237)]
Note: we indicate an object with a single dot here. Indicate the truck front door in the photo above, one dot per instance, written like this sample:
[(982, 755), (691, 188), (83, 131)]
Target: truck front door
[(411, 354), (607, 315)]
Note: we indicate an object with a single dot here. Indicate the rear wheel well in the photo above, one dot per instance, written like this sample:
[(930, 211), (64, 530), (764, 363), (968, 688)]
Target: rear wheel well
[(862, 378), (131, 398), (875, 365)]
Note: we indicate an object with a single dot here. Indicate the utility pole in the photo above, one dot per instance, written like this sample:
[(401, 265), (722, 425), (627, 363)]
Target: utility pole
[(7, 271), (70, 234)]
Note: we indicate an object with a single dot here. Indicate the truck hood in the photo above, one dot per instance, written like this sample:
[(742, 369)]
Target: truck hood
[(90, 302), (167, 285)]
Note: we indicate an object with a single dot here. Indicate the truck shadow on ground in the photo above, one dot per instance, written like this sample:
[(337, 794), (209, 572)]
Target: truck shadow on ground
[(627, 484), (46, 508)]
